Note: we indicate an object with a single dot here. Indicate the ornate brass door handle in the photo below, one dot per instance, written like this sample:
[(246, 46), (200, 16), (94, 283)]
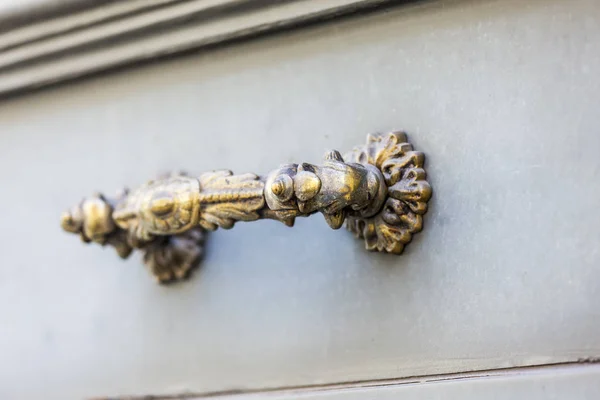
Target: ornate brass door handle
[(379, 189)]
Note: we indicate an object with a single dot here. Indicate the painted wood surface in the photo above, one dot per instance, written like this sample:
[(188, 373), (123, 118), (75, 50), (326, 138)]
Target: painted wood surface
[(503, 98)]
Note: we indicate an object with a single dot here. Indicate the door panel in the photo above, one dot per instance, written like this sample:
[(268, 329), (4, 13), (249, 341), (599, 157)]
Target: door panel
[(502, 96)]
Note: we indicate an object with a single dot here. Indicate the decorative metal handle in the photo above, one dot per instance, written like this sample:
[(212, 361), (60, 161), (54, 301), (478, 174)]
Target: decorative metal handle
[(379, 189)]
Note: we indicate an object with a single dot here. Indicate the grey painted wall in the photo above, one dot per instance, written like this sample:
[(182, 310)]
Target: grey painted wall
[(503, 98)]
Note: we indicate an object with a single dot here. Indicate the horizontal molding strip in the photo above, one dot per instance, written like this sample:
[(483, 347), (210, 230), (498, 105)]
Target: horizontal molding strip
[(369, 388), (71, 22), (129, 31)]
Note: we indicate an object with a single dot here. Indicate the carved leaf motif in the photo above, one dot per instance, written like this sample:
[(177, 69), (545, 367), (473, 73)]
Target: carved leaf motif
[(413, 190), (172, 258), (226, 198)]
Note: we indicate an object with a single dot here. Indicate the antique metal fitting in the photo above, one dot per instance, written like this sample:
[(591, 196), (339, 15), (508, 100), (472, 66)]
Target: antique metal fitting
[(379, 189)]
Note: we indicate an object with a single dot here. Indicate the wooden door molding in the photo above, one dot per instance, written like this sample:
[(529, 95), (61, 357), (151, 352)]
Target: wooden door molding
[(67, 39)]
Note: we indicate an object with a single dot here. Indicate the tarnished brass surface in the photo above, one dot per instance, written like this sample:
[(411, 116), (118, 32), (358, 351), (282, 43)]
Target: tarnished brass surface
[(379, 189)]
